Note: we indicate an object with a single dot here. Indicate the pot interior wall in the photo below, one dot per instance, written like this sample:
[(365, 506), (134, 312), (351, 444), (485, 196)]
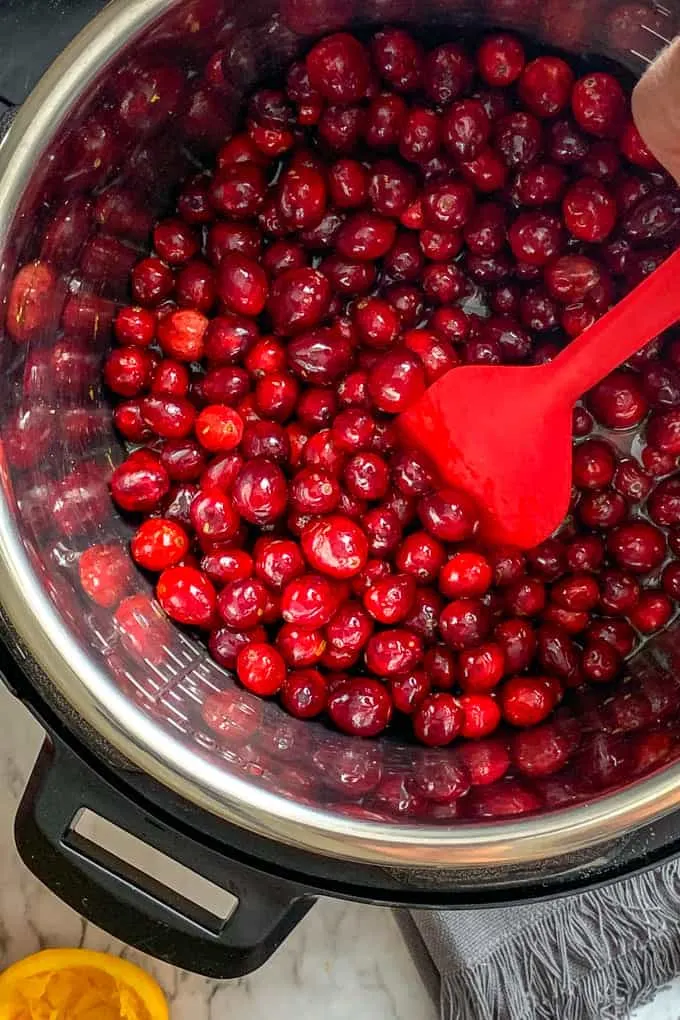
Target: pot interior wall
[(85, 216)]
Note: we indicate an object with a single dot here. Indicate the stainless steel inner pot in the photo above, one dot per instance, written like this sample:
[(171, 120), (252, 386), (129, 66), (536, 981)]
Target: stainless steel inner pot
[(58, 445)]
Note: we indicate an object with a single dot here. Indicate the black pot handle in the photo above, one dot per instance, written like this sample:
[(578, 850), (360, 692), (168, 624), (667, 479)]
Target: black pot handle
[(33, 33), (131, 905)]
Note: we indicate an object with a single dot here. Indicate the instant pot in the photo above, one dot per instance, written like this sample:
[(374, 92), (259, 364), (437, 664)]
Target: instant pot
[(278, 818)]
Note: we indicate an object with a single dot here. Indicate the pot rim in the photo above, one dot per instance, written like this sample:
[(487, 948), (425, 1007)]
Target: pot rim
[(144, 742)]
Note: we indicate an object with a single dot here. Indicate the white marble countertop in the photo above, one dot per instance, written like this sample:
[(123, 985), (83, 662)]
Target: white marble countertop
[(343, 961)]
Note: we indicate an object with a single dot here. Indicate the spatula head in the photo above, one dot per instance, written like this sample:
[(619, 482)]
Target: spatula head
[(503, 434)]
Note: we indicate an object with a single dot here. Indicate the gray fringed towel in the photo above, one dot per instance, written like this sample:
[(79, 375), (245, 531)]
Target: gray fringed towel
[(593, 956)]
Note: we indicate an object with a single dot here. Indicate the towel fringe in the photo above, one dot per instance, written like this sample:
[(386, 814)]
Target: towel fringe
[(597, 956)]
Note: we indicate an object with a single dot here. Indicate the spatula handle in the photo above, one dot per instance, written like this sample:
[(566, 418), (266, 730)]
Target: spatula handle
[(646, 311)]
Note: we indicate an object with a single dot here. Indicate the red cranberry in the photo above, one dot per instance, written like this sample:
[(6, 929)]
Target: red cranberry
[(225, 563), (242, 284), (449, 515), (638, 546), (393, 651), (602, 509), (599, 104), (438, 720), (409, 690), (500, 59), (399, 59), (545, 86), (260, 492), (447, 73), (519, 139), (140, 482), (481, 668), (618, 401), (536, 237), (525, 597), (593, 464), (518, 640), (309, 601), (600, 662), (465, 129), (158, 544), (420, 135), (260, 669), (670, 580), (304, 693), (482, 715), (585, 553), (336, 546), (619, 592), (464, 623), (527, 700), (652, 612), (361, 707), (589, 210), (187, 596)]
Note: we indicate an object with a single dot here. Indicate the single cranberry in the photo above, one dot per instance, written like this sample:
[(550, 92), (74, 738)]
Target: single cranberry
[(260, 492), (213, 517), (309, 600), (438, 719), (618, 402), (335, 546), (585, 552), (545, 86), (302, 196), (633, 147), (481, 668), (593, 464), (260, 669), (127, 371), (619, 592), (449, 515), (225, 563), (420, 135), (465, 129), (365, 236), (602, 509), (242, 603), (670, 580), (319, 356), (447, 73), (397, 381), (482, 715), (466, 573), (399, 59), (158, 544), (238, 190), (340, 127), (663, 432), (536, 237), (144, 630), (525, 597), (139, 484), (571, 277), (577, 592), (589, 210), (518, 137), (600, 662), (557, 654), (391, 187), (304, 693), (637, 546), (242, 284), (653, 611), (361, 707), (169, 417), (409, 690), (464, 623), (566, 144), (518, 640), (599, 104), (527, 700), (135, 326), (507, 563), (175, 242), (151, 281), (487, 172), (224, 237), (221, 472), (393, 651), (187, 596), (105, 573), (500, 59), (385, 116), (539, 185)]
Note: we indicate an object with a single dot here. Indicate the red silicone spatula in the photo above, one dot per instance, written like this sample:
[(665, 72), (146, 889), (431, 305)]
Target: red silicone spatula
[(504, 433)]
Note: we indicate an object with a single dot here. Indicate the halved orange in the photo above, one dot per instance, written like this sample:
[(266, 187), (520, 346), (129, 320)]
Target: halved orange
[(77, 984)]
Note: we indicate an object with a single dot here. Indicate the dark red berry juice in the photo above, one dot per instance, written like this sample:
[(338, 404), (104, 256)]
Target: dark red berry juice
[(388, 211)]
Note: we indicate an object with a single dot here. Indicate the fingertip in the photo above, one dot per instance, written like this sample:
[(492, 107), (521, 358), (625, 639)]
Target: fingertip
[(656, 108)]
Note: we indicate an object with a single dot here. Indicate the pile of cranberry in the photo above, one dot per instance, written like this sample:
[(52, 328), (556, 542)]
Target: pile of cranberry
[(390, 213)]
